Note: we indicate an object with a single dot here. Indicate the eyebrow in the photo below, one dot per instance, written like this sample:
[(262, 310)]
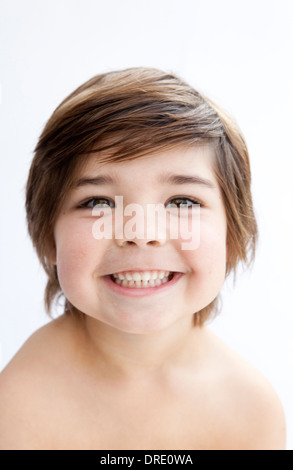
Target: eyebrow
[(169, 178), (172, 178), (96, 181)]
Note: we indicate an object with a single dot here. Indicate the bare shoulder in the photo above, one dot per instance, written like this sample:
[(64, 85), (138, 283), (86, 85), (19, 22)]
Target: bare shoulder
[(247, 403), (28, 385)]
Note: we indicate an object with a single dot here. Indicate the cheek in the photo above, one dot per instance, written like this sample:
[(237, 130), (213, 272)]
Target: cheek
[(212, 249), (74, 249), (207, 263)]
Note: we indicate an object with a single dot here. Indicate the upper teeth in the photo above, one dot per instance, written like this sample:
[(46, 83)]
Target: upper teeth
[(141, 276)]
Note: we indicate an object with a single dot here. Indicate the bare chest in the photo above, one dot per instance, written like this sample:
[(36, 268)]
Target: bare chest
[(133, 422)]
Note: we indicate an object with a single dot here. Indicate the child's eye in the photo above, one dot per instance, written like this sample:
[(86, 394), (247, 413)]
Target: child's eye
[(99, 202), (182, 202)]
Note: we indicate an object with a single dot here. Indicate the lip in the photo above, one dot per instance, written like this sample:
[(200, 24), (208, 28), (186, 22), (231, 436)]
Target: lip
[(141, 292), (142, 269)]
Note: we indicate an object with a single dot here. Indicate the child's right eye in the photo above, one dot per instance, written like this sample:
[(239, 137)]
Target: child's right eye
[(98, 202)]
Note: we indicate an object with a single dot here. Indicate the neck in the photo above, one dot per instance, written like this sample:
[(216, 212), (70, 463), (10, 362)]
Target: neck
[(133, 355)]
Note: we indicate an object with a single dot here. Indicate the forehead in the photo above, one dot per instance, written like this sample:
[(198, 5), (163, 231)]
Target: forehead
[(192, 160)]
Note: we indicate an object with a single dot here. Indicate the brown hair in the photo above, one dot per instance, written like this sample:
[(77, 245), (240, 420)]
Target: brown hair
[(132, 113)]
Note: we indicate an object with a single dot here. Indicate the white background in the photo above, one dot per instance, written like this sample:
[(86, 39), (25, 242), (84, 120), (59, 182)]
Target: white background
[(237, 52)]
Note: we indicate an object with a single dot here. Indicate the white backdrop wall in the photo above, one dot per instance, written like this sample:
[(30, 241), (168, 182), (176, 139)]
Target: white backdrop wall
[(237, 52)]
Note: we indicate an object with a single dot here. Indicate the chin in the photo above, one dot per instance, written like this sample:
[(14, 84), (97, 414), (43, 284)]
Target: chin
[(137, 325)]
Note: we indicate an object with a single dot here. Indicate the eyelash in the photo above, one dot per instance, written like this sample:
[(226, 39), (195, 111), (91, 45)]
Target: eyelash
[(194, 202), (86, 204)]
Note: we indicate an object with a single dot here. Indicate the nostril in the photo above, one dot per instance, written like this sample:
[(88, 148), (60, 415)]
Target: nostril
[(127, 242), (153, 242), (139, 242)]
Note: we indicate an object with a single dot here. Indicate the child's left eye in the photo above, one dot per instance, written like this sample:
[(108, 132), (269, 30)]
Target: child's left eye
[(182, 202), (99, 202)]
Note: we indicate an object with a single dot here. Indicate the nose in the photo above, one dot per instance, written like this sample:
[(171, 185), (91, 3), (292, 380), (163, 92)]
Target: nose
[(141, 230), (139, 242)]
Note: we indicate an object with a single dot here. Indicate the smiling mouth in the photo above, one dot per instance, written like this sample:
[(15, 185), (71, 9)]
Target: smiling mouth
[(143, 279)]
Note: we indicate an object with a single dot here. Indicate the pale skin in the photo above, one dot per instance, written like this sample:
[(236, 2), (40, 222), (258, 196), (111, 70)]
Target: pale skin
[(134, 372)]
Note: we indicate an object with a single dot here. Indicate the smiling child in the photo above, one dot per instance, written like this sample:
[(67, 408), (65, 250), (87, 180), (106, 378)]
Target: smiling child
[(131, 363)]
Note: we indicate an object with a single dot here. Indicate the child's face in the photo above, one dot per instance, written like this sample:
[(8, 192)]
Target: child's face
[(86, 265)]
